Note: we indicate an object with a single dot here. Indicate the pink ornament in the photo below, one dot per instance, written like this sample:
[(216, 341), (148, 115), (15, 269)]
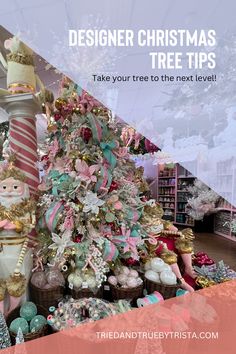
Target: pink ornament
[(122, 278), (55, 278), (39, 279), (133, 273), (132, 283), (118, 205), (112, 280)]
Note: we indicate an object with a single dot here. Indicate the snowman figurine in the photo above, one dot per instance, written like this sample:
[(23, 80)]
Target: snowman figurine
[(17, 219)]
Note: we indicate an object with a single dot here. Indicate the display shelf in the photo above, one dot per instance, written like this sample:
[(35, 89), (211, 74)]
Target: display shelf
[(225, 171), (181, 179), (182, 223), (166, 186), (229, 237), (167, 195)]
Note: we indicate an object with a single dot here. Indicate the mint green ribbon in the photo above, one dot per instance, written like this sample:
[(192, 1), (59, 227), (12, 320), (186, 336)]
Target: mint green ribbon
[(107, 152)]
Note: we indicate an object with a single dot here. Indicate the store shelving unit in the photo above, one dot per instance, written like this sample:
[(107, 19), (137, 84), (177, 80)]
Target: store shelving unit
[(226, 175), (172, 193)]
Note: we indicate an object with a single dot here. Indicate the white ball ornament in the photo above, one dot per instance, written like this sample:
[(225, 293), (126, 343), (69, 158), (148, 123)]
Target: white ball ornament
[(147, 265), (122, 278), (153, 276), (112, 280), (131, 282), (157, 264), (167, 267), (77, 281), (71, 278), (133, 273), (168, 277), (91, 282)]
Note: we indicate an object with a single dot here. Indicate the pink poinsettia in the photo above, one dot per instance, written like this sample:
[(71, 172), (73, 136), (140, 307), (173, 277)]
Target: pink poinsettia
[(86, 172), (87, 102)]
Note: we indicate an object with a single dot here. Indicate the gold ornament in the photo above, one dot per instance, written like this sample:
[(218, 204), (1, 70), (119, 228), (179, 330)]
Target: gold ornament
[(59, 103), (204, 282), (2, 289), (51, 127), (16, 285), (76, 110)]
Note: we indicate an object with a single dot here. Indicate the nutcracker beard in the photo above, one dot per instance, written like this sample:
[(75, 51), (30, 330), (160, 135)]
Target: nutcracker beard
[(12, 192)]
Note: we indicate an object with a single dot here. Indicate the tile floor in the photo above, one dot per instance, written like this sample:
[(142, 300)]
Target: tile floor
[(216, 247)]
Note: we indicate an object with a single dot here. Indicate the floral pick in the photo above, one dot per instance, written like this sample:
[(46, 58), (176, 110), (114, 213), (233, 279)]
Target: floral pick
[(91, 202), (86, 173), (61, 242)]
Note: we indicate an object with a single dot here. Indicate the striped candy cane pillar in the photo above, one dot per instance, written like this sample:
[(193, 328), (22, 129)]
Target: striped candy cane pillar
[(22, 109)]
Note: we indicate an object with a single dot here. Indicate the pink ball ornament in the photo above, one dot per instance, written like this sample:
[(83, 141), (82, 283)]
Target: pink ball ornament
[(112, 280), (133, 273), (55, 278), (125, 270), (39, 279), (132, 283), (122, 278)]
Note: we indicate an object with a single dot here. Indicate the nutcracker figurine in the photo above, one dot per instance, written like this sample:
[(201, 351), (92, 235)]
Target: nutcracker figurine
[(17, 219), (170, 243)]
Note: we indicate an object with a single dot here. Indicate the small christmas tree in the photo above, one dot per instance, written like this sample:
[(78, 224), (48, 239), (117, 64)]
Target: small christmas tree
[(19, 336), (5, 341)]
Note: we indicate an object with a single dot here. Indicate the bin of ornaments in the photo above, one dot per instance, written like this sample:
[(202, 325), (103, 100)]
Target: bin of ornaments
[(125, 284), (71, 313), (83, 284), (29, 319), (160, 277), (47, 287)]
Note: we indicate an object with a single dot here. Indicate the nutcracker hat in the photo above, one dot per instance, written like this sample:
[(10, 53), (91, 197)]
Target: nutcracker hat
[(8, 170), (21, 76)]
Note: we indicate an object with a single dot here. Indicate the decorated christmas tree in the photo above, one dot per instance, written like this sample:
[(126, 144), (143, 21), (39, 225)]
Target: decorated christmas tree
[(92, 192), (94, 215)]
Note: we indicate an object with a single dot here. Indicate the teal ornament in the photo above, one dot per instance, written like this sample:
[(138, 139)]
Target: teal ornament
[(109, 217), (28, 310), (19, 323), (37, 323), (181, 292)]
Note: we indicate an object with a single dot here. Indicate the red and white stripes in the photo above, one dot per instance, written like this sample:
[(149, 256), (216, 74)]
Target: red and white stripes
[(23, 142)]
